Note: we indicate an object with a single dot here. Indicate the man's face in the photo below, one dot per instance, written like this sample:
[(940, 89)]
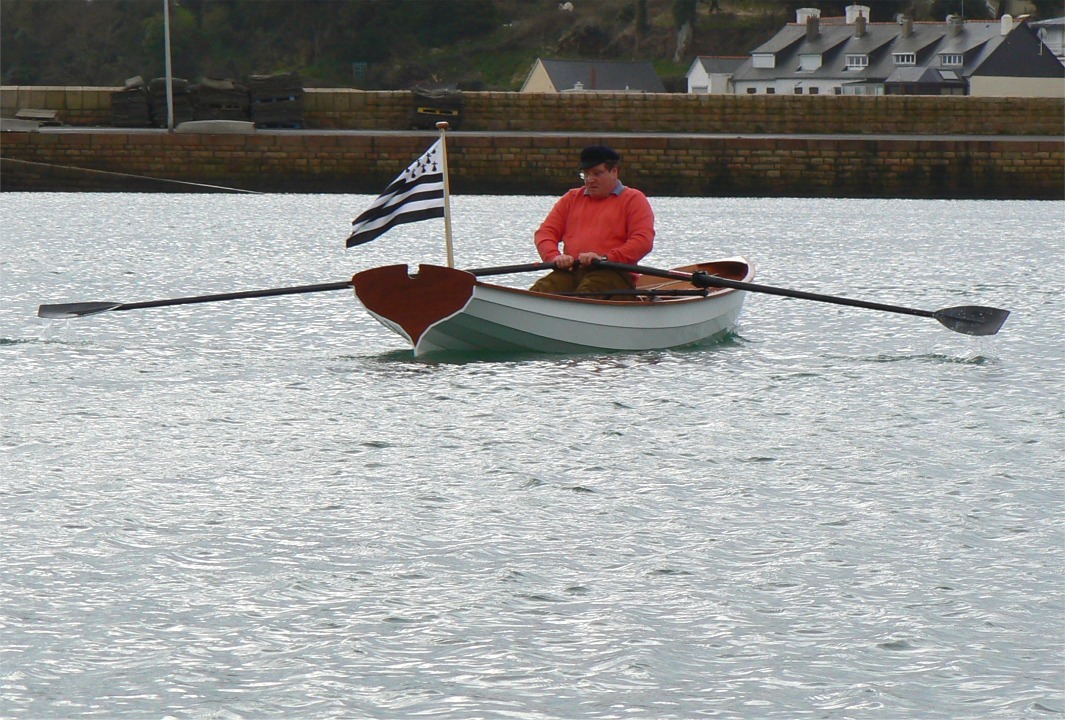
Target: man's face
[(600, 181)]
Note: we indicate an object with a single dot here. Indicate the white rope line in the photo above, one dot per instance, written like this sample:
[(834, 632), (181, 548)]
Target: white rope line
[(139, 177)]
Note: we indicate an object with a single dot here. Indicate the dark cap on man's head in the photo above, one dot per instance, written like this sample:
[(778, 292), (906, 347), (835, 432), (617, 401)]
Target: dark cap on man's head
[(596, 155)]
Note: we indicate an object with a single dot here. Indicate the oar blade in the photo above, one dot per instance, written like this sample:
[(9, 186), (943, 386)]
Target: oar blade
[(972, 319), (73, 310)]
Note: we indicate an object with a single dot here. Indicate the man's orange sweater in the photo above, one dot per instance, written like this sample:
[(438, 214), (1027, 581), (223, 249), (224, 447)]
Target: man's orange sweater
[(620, 226)]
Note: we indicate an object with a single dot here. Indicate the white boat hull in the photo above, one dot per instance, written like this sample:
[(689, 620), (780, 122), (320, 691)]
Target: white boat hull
[(442, 310)]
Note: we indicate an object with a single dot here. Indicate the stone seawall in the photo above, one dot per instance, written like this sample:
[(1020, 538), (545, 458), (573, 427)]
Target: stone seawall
[(673, 144), (530, 163), (347, 109)]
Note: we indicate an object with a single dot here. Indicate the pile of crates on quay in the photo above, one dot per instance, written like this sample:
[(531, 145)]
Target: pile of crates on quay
[(270, 101)]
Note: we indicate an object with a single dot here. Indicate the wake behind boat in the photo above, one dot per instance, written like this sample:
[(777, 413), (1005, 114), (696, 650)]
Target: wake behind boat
[(443, 309)]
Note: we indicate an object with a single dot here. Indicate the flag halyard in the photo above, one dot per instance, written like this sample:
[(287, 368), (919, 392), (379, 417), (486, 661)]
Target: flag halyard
[(416, 194)]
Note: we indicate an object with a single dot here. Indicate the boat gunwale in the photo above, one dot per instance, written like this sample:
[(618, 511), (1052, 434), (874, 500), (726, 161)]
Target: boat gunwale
[(712, 293)]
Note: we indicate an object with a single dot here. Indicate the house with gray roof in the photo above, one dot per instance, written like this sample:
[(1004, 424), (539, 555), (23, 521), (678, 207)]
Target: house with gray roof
[(712, 75), (1052, 33), (851, 56), (1020, 64), (558, 76)]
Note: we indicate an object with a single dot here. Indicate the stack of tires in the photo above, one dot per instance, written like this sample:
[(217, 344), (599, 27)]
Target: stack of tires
[(130, 106), (276, 100), (220, 100), (158, 99)]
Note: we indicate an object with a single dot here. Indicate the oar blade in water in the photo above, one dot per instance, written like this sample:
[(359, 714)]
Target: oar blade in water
[(73, 310), (972, 319)]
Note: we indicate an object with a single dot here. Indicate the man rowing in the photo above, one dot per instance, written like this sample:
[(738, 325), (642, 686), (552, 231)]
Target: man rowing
[(602, 219)]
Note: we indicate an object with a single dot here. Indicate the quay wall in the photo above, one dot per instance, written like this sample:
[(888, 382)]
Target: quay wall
[(347, 109), (672, 144), (531, 163)]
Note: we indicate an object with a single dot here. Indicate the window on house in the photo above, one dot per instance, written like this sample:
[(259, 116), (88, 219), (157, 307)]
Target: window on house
[(951, 59), (857, 62), (839, 90), (905, 58), (770, 91), (764, 60), (798, 89), (815, 91), (751, 90)]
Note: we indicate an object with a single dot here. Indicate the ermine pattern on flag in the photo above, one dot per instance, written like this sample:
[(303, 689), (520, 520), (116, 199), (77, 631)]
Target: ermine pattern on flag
[(416, 194)]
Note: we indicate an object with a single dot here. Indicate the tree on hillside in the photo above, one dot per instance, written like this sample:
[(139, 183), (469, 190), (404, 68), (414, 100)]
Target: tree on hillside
[(684, 16), (1047, 9), (968, 9), (640, 24), (879, 10)]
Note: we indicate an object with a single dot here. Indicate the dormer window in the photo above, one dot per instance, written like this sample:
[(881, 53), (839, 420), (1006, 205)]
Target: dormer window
[(905, 58), (857, 62), (951, 59), (764, 61)]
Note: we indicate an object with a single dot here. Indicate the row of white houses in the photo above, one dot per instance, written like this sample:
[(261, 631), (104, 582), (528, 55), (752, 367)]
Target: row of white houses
[(850, 56)]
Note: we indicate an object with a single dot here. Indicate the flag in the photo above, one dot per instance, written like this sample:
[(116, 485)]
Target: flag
[(417, 194)]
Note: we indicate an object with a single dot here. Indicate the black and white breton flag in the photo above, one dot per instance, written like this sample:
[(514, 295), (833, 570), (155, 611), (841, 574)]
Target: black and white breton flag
[(417, 194)]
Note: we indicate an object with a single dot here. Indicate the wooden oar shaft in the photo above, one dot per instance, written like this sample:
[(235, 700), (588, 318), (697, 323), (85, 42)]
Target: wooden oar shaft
[(802, 295), (968, 319), (704, 279), (72, 310), (508, 269), (271, 292), (638, 292)]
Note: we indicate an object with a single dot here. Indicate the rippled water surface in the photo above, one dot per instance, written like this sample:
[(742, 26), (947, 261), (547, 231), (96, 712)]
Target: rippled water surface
[(269, 509)]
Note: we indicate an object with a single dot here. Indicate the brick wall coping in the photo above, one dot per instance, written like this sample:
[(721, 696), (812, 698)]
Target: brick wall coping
[(507, 134)]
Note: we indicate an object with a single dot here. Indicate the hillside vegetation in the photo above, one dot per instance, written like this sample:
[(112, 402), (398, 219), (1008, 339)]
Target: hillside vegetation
[(395, 44)]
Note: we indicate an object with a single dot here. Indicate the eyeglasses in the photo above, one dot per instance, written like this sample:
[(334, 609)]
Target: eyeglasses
[(589, 174)]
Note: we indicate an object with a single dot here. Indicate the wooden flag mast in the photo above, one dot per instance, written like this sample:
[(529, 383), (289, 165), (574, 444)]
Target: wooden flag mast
[(442, 127)]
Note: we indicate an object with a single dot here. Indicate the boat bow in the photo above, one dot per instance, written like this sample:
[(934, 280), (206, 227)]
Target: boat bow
[(411, 304)]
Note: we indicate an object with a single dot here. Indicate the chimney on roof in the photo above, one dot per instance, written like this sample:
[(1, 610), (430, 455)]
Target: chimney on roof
[(856, 11), (813, 28), (802, 13), (1006, 24), (859, 26), (954, 24), (907, 26)]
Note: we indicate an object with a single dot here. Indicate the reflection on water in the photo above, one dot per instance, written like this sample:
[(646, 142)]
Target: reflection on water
[(270, 508)]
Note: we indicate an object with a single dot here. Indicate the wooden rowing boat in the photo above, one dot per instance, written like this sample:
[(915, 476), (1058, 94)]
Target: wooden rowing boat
[(442, 309)]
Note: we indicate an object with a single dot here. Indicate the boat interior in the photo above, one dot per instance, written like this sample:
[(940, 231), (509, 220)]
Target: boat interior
[(729, 269)]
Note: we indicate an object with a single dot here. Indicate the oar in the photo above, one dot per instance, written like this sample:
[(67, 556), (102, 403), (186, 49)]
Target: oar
[(508, 269), (73, 310), (967, 319), (636, 292)]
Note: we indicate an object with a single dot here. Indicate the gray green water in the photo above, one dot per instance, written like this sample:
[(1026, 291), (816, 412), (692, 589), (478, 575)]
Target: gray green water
[(269, 509)]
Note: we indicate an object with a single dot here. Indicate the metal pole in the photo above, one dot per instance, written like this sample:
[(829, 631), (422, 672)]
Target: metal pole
[(169, 72)]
